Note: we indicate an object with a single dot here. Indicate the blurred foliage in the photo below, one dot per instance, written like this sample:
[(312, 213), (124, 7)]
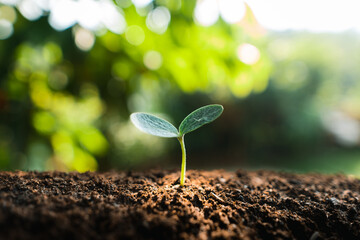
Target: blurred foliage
[(66, 94)]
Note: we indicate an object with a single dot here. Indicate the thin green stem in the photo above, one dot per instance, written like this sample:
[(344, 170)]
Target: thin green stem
[(183, 162)]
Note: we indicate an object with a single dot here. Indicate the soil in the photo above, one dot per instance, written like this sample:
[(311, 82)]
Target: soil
[(152, 205)]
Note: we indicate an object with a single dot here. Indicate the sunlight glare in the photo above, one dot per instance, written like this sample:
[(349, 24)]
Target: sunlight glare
[(232, 11), (206, 12), (89, 14), (63, 14), (315, 16)]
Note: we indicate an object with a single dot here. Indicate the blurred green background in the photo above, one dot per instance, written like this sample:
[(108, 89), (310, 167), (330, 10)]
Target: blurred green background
[(72, 72)]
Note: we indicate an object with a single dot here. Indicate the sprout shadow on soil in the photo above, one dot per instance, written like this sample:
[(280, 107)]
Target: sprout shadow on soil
[(156, 126)]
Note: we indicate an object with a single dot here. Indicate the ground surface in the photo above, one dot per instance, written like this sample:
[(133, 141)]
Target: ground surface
[(151, 205)]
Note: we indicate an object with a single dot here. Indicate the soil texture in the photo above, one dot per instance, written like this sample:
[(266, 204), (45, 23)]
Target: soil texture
[(151, 205)]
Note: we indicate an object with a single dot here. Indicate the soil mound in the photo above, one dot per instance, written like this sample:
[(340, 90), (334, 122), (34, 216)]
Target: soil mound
[(152, 205)]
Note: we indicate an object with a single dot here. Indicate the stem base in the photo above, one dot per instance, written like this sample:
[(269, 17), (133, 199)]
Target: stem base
[(183, 161)]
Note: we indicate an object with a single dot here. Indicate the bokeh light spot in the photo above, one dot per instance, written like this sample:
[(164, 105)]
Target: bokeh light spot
[(123, 3), (153, 60), (111, 42), (232, 11), (345, 128), (206, 12), (6, 29), (113, 19), (242, 86), (84, 39), (135, 35), (83, 161), (58, 80), (158, 20), (9, 2), (123, 69), (248, 53), (88, 15), (62, 144), (62, 14), (39, 92), (93, 140), (8, 13), (30, 9), (44, 122), (52, 53), (141, 3), (173, 5), (97, 16)]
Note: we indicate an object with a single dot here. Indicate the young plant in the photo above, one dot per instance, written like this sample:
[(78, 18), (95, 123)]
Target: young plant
[(159, 127)]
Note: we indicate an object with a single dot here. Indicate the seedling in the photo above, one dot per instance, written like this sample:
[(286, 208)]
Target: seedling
[(159, 127)]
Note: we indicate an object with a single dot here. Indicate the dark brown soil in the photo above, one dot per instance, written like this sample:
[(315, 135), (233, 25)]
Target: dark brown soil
[(151, 205)]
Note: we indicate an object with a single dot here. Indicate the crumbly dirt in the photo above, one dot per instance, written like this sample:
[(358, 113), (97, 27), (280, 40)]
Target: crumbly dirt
[(152, 205)]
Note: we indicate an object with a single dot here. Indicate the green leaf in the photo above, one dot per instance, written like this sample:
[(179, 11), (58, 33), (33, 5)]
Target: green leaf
[(153, 125), (200, 117)]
